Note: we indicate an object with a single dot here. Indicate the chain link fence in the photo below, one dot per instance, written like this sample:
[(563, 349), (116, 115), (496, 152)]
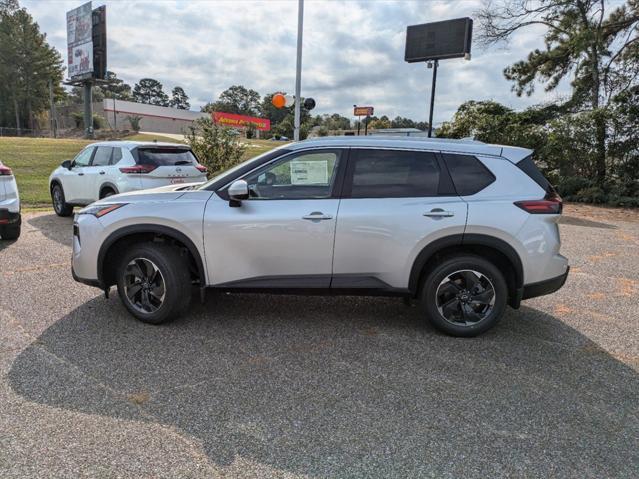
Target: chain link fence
[(24, 132)]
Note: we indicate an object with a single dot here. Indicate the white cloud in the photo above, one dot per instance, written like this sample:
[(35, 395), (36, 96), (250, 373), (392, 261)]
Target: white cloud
[(353, 51)]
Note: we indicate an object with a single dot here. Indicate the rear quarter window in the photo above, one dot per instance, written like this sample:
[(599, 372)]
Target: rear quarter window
[(527, 165), (468, 173)]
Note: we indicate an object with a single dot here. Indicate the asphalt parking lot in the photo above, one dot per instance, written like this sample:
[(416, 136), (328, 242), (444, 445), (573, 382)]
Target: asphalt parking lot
[(287, 386)]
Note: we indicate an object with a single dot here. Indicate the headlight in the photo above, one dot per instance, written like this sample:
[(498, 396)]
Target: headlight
[(100, 210)]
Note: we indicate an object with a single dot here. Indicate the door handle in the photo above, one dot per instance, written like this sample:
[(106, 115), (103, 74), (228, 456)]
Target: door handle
[(316, 216), (80, 174), (102, 172), (439, 213)]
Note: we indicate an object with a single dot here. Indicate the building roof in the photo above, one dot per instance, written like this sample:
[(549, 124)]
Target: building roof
[(142, 109)]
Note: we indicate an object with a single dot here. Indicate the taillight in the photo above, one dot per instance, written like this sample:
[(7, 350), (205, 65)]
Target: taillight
[(550, 205), (201, 168), (140, 169), (5, 171)]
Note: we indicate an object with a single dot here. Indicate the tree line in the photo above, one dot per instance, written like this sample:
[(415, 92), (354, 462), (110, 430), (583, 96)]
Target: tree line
[(587, 142)]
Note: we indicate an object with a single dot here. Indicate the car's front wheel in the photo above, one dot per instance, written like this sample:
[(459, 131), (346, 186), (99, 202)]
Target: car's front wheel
[(464, 296), (154, 283), (60, 206)]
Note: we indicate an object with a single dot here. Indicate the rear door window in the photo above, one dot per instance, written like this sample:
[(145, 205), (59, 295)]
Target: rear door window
[(392, 174), (166, 157), (469, 175), (102, 156)]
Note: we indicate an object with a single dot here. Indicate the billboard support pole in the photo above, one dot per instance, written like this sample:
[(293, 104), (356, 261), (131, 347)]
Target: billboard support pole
[(298, 73), (88, 110), (432, 99)]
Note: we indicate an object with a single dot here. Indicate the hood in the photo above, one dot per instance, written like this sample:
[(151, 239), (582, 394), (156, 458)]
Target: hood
[(161, 193)]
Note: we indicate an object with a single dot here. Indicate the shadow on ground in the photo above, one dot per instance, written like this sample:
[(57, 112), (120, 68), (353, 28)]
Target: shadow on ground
[(348, 387), (6, 243), (54, 227)]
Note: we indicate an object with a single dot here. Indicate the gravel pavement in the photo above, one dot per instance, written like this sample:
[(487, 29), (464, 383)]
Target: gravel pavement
[(286, 386)]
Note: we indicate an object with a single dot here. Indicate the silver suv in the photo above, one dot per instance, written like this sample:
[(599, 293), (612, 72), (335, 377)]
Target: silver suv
[(465, 227)]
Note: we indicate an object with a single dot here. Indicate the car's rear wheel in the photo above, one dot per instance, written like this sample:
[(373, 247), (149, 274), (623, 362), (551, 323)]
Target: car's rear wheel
[(154, 283), (60, 206), (10, 232), (464, 296)]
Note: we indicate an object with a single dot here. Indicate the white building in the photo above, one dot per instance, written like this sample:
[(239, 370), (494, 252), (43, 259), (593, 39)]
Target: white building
[(158, 119)]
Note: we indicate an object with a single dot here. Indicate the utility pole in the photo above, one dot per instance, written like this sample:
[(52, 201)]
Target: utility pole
[(88, 109), (432, 98), (298, 74), (52, 115)]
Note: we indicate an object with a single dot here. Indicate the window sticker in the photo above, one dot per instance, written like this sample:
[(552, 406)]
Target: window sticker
[(304, 172)]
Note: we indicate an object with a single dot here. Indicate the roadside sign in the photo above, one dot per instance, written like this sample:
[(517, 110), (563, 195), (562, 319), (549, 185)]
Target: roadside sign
[(363, 111)]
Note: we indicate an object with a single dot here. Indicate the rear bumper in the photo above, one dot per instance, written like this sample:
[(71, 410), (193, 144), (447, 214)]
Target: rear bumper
[(9, 218), (545, 287)]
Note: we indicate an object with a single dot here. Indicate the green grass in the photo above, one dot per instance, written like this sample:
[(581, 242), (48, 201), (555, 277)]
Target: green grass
[(33, 159)]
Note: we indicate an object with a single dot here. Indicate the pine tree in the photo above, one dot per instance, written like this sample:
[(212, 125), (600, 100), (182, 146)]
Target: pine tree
[(27, 64), (179, 99), (149, 91)]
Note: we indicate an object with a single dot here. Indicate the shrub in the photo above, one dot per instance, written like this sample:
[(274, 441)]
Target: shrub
[(78, 119), (216, 147), (134, 121), (569, 186), (98, 122), (592, 194)]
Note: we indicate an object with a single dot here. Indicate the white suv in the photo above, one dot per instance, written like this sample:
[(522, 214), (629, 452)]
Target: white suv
[(10, 219), (465, 227), (108, 168)]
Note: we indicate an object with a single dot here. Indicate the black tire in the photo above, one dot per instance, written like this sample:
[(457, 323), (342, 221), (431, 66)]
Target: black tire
[(60, 206), (10, 232), (106, 192), (459, 287), (174, 273)]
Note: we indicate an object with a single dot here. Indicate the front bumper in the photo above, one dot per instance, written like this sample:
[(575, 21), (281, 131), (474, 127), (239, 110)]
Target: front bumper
[(9, 218), (87, 234), (548, 286)]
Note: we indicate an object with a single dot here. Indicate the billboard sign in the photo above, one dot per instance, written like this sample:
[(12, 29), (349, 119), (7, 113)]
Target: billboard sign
[(363, 111), (81, 61), (439, 40), (240, 121), (79, 41)]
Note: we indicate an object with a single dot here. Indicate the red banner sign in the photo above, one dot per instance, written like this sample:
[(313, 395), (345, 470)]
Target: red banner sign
[(240, 121)]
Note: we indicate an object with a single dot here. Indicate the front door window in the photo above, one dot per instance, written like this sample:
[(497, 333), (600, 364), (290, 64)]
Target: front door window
[(309, 175)]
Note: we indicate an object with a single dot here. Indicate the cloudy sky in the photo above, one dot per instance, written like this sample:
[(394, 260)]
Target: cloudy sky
[(353, 51)]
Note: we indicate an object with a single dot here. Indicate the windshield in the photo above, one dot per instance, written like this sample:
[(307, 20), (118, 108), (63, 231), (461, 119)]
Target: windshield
[(269, 154), (166, 156)]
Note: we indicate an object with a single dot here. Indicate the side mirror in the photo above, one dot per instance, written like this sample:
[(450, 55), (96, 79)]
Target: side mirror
[(238, 191), (66, 164)]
